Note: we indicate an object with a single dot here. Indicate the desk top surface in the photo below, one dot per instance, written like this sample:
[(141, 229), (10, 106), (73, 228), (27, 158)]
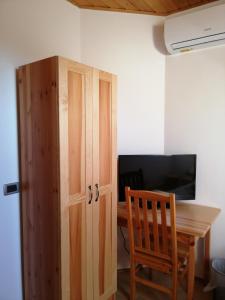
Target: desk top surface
[(192, 219)]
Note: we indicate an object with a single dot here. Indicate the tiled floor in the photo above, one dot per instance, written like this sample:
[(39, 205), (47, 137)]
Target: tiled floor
[(145, 293)]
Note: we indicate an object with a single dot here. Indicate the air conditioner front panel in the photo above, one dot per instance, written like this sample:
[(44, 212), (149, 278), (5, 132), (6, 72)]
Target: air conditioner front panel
[(199, 42), (198, 29)]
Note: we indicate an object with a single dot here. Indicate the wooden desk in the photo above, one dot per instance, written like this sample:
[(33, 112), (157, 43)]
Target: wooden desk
[(192, 219)]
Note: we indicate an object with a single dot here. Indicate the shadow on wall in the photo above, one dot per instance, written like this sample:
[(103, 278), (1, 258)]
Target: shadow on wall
[(158, 38)]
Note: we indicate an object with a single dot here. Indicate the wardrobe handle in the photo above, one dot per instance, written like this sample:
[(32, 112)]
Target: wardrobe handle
[(90, 194), (97, 193)]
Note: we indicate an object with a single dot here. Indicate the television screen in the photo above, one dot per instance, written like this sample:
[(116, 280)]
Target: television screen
[(166, 173)]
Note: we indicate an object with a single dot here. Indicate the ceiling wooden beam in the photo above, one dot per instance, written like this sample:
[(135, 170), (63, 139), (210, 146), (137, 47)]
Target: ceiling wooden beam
[(150, 7)]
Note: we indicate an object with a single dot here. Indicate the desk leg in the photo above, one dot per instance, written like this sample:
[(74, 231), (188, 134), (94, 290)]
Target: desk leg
[(206, 257), (191, 272)]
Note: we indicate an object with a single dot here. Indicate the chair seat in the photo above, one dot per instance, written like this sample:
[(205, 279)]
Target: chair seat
[(162, 262), (153, 262)]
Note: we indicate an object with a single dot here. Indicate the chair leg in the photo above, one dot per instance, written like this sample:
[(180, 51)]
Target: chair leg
[(191, 273), (132, 283), (174, 284)]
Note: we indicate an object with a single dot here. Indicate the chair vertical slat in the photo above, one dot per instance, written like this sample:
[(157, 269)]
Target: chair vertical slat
[(137, 222), (164, 227), (130, 223), (131, 239), (146, 224), (155, 226), (173, 229)]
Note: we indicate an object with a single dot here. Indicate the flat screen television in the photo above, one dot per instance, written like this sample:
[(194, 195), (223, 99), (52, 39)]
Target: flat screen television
[(166, 173)]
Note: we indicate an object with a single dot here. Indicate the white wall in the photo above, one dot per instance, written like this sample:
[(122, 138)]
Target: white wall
[(29, 30), (195, 123), (126, 44)]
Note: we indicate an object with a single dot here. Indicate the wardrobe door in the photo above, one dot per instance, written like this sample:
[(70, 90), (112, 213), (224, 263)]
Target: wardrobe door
[(105, 185), (75, 115)]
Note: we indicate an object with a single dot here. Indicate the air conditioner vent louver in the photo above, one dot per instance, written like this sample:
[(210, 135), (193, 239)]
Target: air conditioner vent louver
[(187, 32)]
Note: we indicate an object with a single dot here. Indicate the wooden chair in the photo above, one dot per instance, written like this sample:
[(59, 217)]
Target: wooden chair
[(153, 241)]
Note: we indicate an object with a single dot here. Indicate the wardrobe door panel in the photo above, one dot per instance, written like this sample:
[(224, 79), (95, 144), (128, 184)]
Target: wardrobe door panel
[(105, 243), (76, 178), (76, 130), (105, 133), (104, 180), (77, 245)]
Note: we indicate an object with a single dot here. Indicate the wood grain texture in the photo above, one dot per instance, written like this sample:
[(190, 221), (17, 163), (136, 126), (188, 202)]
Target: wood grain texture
[(39, 175), (108, 272), (206, 266), (151, 7), (102, 240), (105, 133), (75, 92), (76, 131), (97, 268), (64, 174), (76, 243), (104, 174), (114, 183), (191, 271)]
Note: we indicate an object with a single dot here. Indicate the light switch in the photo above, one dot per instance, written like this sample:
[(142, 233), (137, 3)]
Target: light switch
[(11, 188)]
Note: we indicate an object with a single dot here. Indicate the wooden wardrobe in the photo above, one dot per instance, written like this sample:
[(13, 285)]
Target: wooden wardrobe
[(68, 164)]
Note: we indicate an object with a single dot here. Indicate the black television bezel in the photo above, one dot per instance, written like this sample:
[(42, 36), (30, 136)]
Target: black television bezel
[(158, 155)]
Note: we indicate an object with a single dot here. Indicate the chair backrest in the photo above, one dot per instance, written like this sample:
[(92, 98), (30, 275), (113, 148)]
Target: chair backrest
[(152, 226)]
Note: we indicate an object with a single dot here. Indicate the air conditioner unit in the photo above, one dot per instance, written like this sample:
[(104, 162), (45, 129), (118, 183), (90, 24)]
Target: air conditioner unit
[(195, 29)]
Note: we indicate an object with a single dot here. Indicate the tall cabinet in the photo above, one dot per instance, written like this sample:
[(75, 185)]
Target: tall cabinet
[(67, 118)]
